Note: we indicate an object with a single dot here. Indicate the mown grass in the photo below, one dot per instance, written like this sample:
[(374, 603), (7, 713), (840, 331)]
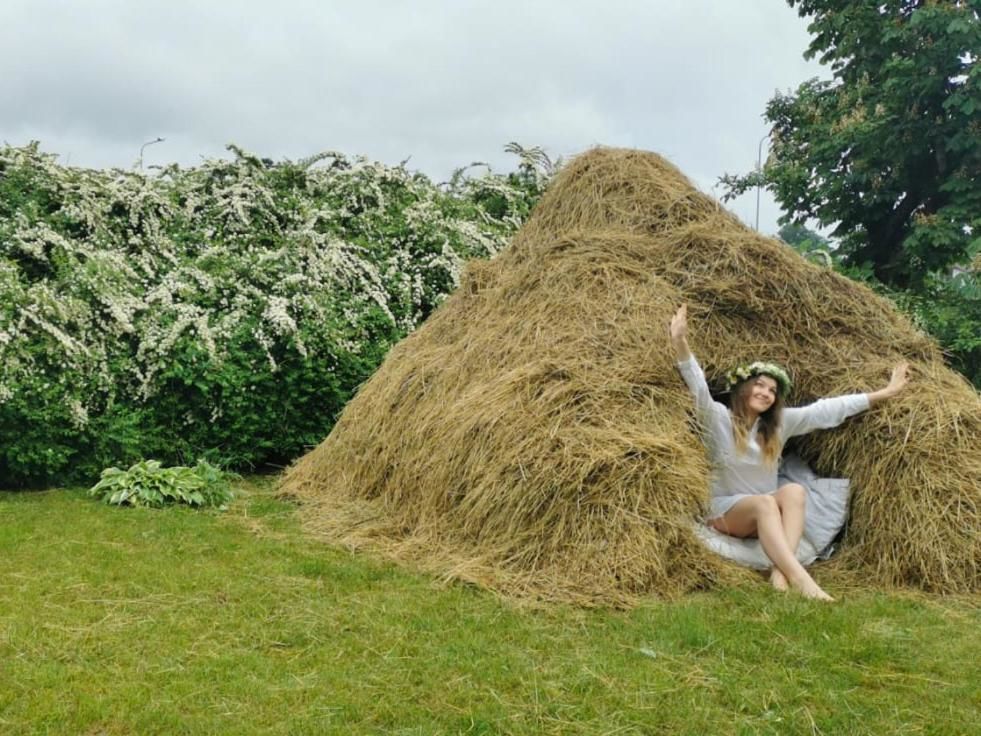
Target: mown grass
[(132, 621)]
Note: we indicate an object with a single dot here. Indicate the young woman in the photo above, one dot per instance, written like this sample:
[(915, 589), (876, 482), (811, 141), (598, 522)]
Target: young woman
[(744, 443)]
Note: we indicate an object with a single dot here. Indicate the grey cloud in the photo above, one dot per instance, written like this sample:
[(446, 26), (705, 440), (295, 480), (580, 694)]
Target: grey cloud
[(441, 81)]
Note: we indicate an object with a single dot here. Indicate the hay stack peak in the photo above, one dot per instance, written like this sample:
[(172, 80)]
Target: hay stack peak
[(534, 435)]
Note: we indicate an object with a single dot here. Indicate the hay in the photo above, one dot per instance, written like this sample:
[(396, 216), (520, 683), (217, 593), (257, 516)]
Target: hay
[(534, 436)]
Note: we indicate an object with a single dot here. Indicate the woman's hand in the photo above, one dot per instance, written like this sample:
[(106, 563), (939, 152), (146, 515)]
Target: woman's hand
[(679, 324), (897, 382), (899, 379), (678, 331)]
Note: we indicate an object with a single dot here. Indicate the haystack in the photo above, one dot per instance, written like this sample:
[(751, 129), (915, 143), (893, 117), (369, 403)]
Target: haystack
[(535, 437)]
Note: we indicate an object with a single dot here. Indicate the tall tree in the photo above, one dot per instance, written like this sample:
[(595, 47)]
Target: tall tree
[(889, 150)]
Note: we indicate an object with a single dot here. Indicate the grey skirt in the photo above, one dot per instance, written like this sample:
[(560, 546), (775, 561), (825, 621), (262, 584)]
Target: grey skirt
[(827, 502)]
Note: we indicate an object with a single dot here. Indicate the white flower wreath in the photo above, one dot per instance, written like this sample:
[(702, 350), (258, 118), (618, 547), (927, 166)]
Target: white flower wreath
[(760, 368)]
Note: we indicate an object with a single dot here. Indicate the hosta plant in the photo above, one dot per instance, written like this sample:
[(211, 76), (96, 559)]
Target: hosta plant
[(148, 483)]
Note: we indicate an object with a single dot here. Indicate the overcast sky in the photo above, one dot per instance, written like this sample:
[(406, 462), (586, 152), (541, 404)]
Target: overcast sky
[(440, 82)]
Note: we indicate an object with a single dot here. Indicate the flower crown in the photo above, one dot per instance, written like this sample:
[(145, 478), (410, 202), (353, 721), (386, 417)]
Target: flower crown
[(759, 368)]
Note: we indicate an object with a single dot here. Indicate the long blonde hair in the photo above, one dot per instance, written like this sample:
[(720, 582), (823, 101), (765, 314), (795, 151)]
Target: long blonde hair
[(768, 431)]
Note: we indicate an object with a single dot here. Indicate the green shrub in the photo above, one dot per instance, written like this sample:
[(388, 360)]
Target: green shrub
[(146, 483), (226, 311)]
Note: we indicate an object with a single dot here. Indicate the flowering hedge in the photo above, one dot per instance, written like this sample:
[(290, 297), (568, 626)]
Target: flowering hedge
[(224, 312)]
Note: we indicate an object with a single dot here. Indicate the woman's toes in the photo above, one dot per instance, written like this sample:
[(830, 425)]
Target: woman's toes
[(778, 580)]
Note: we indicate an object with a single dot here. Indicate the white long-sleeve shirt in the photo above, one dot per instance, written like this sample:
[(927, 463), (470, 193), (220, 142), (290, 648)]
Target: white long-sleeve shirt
[(737, 474)]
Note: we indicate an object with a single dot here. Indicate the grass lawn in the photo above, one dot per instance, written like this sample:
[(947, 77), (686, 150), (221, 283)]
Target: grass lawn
[(131, 621)]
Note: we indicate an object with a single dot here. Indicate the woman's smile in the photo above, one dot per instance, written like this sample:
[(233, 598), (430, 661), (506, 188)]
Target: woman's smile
[(763, 394)]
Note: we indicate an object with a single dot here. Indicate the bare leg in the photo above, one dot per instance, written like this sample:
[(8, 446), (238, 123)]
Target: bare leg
[(760, 516), (791, 499), (778, 580)]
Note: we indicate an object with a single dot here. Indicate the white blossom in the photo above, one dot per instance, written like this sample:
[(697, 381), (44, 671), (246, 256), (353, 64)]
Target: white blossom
[(210, 254)]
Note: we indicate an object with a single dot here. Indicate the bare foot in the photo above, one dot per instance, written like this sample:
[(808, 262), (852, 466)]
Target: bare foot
[(778, 580), (809, 589)]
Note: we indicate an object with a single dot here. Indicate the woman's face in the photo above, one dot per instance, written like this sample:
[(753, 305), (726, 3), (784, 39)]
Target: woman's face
[(762, 393)]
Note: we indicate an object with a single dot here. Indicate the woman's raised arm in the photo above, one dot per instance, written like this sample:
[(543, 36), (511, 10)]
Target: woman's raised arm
[(710, 412), (828, 413), (897, 382), (678, 332)]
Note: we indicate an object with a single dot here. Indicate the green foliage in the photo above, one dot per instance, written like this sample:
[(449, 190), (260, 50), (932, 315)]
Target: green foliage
[(811, 245), (801, 238), (946, 307), (949, 308), (889, 151), (146, 483), (226, 311)]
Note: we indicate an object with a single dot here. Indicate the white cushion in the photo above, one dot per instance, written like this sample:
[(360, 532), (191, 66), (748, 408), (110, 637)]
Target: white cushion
[(748, 552)]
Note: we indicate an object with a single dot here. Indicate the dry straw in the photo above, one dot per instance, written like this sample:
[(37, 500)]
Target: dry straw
[(534, 436)]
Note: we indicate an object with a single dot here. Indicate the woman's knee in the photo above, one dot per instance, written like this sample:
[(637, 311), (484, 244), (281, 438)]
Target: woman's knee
[(791, 494), (765, 505)]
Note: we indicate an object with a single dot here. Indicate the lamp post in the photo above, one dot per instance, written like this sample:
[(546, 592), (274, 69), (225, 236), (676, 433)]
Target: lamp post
[(148, 143), (759, 173)]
